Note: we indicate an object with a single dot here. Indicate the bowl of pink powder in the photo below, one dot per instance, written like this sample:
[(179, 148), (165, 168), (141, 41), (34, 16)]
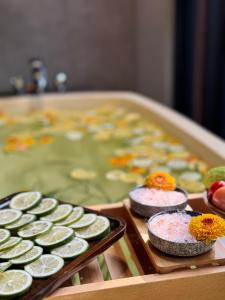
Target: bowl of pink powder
[(169, 233), (147, 201)]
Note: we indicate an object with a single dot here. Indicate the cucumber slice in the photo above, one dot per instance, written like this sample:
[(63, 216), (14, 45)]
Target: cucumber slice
[(45, 266), (57, 236), (34, 229), (8, 216), (97, 230), (17, 250), (72, 249), (25, 201), (12, 241), (28, 257), (24, 220), (61, 212), (74, 216), (84, 221), (14, 283), (45, 206), (4, 235)]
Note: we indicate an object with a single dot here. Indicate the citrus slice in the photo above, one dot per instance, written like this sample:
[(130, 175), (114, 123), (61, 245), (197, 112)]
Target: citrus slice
[(17, 250), (4, 266), (34, 229), (46, 205), (72, 249), (12, 241), (177, 164), (84, 221), (25, 201), (14, 283), (24, 220), (61, 212), (4, 235), (8, 216), (191, 176), (28, 257), (96, 230), (74, 216), (57, 236), (45, 266)]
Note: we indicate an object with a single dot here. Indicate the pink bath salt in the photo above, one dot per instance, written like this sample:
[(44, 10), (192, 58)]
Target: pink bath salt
[(154, 197), (172, 227)]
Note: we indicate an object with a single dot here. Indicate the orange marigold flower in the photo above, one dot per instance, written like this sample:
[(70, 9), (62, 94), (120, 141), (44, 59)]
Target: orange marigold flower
[(46, 139), (161, 180), (19, 142), (207, 227), (121, 160), (138, 170)]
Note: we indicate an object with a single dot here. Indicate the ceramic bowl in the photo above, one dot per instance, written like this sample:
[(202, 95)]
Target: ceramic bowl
[(175, 248), (148, 210)]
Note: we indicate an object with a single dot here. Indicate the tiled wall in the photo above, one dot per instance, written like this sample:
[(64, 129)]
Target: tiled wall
[(98, 43)]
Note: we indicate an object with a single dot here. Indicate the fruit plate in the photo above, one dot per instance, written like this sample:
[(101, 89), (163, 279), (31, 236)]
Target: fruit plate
[(44, 287), (212, 207)]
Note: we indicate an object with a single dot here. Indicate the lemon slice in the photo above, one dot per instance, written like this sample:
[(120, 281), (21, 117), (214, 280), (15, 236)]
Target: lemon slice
[(45, 266), (4, 235), (8, 216), (17, 250), (75, 215), (72, 249), (61, 212), (12, 241), (96, 230), (57, 236), (24, 220), (28, 257), (45, 206), (25, 201), (4, 266), (34, 229), (14, 283), (84, 221)]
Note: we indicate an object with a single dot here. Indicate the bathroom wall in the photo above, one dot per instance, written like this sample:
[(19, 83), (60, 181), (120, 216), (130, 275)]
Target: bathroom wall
[(100, 44)]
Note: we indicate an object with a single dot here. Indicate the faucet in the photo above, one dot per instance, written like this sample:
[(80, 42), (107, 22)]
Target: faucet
[(39, 76), (39, 82)]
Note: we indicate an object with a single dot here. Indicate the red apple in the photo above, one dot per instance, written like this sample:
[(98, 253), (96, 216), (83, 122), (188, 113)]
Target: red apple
[(214, 187), (218, 198)]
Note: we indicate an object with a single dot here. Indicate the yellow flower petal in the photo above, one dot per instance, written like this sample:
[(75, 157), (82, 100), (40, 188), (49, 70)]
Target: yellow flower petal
[(82, 174)]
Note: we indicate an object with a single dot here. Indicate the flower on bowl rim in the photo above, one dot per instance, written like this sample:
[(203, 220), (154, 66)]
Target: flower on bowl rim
[(207, 227), (161, 180)]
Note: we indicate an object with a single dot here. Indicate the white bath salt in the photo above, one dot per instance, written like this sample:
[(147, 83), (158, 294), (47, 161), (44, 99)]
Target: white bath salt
[(154, 197), (172, 227)]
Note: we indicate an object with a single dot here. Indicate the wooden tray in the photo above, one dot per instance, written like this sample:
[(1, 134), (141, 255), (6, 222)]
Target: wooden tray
[(132, 275), (43, 287), (164, 263)]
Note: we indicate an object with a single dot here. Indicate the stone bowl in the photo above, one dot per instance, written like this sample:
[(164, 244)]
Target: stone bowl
[(148, 210), (175, 248)]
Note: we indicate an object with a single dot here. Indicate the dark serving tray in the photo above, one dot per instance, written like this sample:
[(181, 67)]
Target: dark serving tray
[(44, 287)]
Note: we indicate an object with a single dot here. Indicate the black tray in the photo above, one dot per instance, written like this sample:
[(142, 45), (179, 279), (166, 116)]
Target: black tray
[(44, 287)]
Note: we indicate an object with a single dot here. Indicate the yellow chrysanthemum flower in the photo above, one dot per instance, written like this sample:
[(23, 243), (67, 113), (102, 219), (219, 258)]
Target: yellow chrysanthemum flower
[(207, 227), (161, 180)]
